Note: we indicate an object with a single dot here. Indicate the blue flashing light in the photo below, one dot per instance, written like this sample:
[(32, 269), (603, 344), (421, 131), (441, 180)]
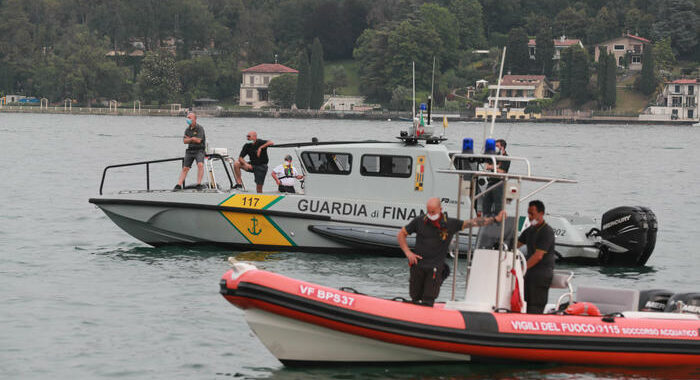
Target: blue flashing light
[(490, 146), (467, 145), (423, 107)]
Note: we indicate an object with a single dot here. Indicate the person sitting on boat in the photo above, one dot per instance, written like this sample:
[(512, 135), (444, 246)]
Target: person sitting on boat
[(285, 175), (194, 137), (493, 200), (539, 238), (434, 232), (256, 150)]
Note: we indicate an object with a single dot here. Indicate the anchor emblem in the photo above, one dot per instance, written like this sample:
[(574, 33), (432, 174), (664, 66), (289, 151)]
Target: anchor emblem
[(255, 231)]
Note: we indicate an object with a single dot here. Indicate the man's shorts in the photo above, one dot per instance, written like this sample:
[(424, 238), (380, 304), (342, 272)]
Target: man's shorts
[(190, 156), (259, 171)]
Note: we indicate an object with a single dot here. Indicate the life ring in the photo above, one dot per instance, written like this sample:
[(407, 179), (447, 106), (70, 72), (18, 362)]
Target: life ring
[(583, 308)]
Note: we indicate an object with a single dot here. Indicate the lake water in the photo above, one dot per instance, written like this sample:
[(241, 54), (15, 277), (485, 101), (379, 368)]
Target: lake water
[(79, 298)]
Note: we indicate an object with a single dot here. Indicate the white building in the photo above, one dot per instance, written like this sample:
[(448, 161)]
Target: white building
[(255, 81), (678, 101)]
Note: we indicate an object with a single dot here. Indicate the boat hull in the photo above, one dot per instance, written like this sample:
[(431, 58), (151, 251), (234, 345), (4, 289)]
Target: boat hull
[(285, 312)]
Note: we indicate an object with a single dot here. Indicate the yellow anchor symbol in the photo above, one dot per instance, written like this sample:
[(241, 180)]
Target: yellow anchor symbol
[(254, 231)]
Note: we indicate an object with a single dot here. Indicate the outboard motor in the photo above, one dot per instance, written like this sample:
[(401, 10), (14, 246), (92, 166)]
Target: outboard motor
[(628, 236), (654, 300), (684, 303)]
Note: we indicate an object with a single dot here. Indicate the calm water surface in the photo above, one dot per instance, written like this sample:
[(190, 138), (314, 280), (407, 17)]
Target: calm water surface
[(79, 298)]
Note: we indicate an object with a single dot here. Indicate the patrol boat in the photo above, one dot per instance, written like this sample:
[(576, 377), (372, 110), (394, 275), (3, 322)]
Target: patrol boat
[(356, 196), (304, 324)]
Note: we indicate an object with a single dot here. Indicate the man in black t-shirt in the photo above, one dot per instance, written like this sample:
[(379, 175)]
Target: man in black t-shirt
[(539, 238), (256, 150), (493, 200), (434, 232), (194, 137)]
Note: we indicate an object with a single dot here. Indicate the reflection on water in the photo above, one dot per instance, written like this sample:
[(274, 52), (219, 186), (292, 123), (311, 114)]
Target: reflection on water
[(258, 256)]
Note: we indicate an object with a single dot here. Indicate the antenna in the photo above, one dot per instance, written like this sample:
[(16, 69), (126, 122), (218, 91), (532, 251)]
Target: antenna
[(498, 91), (413, 106)]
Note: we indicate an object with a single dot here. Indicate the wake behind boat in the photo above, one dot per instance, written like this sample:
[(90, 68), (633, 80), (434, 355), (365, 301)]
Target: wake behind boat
[(303, 323)]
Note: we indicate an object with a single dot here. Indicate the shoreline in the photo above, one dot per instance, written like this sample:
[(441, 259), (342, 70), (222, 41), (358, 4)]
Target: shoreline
[(334, 115)]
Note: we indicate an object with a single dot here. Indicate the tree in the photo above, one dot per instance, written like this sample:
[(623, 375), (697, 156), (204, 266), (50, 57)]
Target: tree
[(317, 83), (571, 23), (575, 75), (663, 54), (679, 20), (339, 78), (610, 81), (647, 82), (400, 99), (544, 51), (370, 55), (603, 26), (602, 75), (444, 24), (158, 77), (303, 90), (282, 90), (469, 15), (518, 54)]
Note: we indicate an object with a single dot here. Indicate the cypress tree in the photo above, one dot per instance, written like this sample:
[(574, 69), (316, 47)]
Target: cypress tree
[(518, 56), (602, 76), (317, 84), (579, 75), (303, 91), (565, 73), (611, 81), (544, 51), (648, 80)]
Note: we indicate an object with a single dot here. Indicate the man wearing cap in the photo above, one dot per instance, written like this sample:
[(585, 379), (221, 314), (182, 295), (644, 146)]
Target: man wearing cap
[(256, 150), (285, 175), (194, 137)]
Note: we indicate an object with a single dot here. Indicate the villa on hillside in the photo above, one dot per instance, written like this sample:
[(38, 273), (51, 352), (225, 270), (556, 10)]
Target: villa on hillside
[(678, 101), (559, 44), (255, 81), (516, 92), (628, 44)]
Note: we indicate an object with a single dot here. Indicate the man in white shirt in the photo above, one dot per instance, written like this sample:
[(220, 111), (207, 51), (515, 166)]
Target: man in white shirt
[(285, 175)]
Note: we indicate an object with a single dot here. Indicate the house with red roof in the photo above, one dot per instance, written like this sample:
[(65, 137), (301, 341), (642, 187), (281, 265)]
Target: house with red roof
[(255, 81), (515, 93), (560, 44), (622, 47), (678, 101)]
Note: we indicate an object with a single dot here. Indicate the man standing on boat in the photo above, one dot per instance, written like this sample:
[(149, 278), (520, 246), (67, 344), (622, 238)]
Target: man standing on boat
[(256, 150), (434, 232), (539, 238), (285, 175), (493, 200), (194, 137)]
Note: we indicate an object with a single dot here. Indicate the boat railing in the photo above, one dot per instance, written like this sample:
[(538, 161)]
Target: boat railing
[(147, 164)]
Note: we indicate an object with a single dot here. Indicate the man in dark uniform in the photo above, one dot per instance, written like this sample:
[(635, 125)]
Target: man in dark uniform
[(434, 231), (539, 238), (256, 150), (493, 200), (194, 136)]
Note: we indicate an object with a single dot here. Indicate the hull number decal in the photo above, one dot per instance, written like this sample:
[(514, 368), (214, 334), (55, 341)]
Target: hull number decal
[(326, 295), (256, 228), (420, 171)]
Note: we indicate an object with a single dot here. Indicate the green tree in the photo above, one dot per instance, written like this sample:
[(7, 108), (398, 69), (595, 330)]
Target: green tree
[(575, 75), (610, 81), (679, 20), (400, 99), (663, 54), (518, 54), (444, 23), (544, 51), (371, 58), (316, 75), (469, 15), (603, 26), (282, 90), (158, 77), (303, 90), (571, 23), (648, 78), (602, 75), (198, 77), (339, 78)]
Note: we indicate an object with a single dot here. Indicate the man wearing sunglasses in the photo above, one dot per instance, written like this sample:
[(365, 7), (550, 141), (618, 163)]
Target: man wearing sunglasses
[(256, 150)]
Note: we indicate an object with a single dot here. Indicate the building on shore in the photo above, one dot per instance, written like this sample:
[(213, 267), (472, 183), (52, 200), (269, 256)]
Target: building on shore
[(560, 44), (515, 94), (627, 49), (256, 79), (677, 101)]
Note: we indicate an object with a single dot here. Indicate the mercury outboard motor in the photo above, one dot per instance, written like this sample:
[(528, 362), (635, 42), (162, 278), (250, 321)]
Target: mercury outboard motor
[(654, 300), (684, 303), (628, 236)]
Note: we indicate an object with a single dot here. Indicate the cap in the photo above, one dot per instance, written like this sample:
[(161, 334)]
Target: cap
[(288, 157)]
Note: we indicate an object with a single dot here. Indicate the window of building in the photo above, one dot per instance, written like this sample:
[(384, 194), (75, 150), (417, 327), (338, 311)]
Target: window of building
[(677, 89), (637, 48), (386, 166), (691, 90), (327, 162), (519, 93), (262, 95), (637, 59), (266, 80), (690, 114), (249, 94), (251, 79), (619, 47), (676, 101), (690, 101)]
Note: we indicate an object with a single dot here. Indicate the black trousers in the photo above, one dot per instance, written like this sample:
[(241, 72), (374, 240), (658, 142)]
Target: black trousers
[(424, 283), (537, 291)]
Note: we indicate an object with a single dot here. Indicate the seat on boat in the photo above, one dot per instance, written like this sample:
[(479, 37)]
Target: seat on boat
[(609, 300)]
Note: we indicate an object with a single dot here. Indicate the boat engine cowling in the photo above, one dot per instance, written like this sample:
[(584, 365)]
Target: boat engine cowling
[(628, 236), (684, 303), (654, 300)]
